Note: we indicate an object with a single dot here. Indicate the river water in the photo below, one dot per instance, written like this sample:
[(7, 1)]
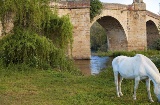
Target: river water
[(94, 65)]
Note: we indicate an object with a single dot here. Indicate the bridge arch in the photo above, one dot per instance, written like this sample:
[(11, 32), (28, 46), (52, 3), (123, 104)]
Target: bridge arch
[(152, 33), (116, 36)]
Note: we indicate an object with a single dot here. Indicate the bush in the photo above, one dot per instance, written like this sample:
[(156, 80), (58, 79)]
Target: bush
[(32, 20), (59, 30), (156, 44), (26, 47), (98, 38), (96, 8)]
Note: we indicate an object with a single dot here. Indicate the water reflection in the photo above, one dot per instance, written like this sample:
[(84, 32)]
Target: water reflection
[(93, 66)]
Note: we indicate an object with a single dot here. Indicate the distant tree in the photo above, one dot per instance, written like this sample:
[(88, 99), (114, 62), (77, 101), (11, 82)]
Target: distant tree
[(98, 38), (156, 43), (95, 9)]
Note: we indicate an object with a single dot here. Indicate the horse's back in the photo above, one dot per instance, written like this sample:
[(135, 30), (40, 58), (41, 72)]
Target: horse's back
[(123, 65), (116, 62), (129, 67), (147, 63)]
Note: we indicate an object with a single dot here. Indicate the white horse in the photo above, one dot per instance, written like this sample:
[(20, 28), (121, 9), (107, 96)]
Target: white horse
[(138, 67)]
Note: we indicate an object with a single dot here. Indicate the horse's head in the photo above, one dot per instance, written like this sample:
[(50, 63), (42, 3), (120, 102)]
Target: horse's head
[(157, 91)]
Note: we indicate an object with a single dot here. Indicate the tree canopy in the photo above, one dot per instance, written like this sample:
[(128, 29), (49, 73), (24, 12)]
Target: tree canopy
[(39, 37), (96, 8)]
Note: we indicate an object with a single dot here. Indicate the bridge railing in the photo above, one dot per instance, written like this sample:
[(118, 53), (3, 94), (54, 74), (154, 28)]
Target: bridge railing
[(151, 14), (71, 4), (114, 6)]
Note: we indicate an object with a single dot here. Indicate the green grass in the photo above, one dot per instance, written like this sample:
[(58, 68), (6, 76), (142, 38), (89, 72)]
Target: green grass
[(50, 87), (154, 55), (127, 53)]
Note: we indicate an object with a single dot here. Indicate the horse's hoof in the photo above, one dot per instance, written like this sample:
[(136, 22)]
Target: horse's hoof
[(151, 100), (134, 98), (121, 94)]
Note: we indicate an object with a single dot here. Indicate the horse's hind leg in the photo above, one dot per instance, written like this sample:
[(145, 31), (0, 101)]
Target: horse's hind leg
[(116, 82), (120, 81), (137, 79), (148, 89)]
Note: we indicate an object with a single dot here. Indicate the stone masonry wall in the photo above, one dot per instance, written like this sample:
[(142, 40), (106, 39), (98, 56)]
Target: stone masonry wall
[(79, 13), (8, 25), (137, 39), (132, 32), (80, 18)]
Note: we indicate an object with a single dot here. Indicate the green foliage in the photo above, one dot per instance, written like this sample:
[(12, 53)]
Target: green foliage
[(128, 53), (26, 47), (37, 16), (98, 38), (27, 13), (60, 31), (95, 9), (156, 60), (156, 44)]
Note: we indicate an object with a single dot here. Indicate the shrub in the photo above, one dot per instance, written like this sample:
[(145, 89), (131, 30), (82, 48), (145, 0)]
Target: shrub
[(32, 20), (98, 38), (37, 16), (59, 30), (96, 7), (156, 44), (26, 47)]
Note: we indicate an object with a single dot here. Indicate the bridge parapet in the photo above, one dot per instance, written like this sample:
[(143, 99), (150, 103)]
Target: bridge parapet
[(114, 6), (151, 14), (63, 4)]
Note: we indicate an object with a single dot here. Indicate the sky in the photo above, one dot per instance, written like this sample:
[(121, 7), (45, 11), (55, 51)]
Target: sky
[(151, 5)]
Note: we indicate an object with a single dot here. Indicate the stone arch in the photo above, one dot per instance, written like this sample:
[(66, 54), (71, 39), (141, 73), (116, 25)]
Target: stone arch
[(116, 36), (152, 33)]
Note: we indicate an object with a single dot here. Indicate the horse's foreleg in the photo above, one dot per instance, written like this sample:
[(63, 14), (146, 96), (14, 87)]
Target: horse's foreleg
[(148, 89), (120, 81), (116, 82), (137, 79)]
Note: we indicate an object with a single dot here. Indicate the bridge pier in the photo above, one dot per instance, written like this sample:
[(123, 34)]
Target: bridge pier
[(79, 13), (125, 26), (136, 24)]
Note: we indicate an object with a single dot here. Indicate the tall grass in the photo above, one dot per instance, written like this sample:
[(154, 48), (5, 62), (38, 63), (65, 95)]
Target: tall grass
[(127, 53), (154, 55)]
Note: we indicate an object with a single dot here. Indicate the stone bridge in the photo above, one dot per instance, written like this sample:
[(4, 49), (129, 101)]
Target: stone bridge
[(128, 27)]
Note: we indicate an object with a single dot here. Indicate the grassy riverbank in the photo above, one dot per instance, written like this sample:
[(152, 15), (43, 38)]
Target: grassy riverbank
[(49, 87), (127, 53), (154, 55)]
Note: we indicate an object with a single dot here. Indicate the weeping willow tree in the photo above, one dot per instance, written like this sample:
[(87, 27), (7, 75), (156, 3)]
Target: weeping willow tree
[(37, 16), (35, 27), (27, 13)]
